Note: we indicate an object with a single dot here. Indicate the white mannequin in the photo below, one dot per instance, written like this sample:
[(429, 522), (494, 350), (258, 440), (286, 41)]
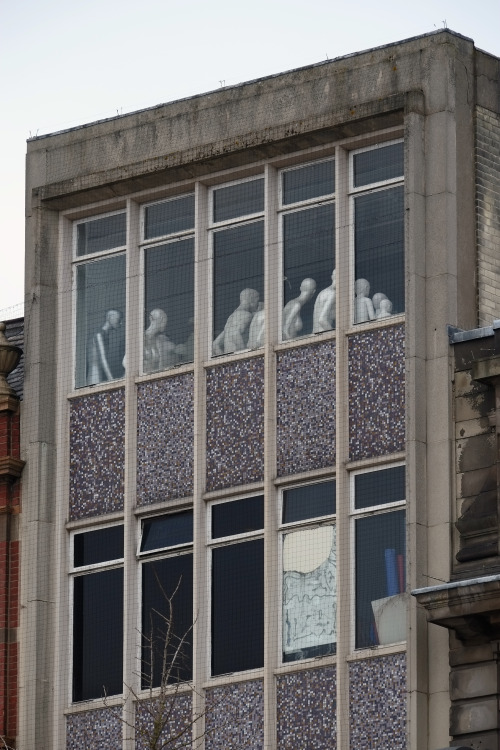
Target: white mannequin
[(159, 350), (99, 370), (385, 309), (324, 308), (292, 322), (234, 337), (363, 306), (376, 300), (257, 329)]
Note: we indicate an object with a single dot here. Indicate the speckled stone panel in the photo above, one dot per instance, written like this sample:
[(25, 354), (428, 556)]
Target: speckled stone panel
[(235, 717), (177, 713), (307, 710), (165, 439), (235, 424), (377, 693), (377, 393), (94, 730), (97, 454), (306, 408)]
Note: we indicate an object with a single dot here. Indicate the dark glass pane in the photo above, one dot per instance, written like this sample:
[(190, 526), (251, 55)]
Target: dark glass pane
[(380, 578), (239, 200), (100, 329), (101, 234), (98, 635), (176, 215), (169, 305), (309, 253), (379, 487), (238, 517), (378, 164), (309, 603), (238, 266), (379, 247), (311, 181), (167, 531), (93, 547), (310, 501), (238, 607), (171, 578)]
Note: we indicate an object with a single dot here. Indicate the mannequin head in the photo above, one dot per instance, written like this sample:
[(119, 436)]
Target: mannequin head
[(362, 287), (113, 318), (158, 321), (307, 288), (249, 299)]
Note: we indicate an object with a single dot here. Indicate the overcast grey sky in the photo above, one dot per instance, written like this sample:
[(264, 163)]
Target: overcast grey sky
[(64, 64)]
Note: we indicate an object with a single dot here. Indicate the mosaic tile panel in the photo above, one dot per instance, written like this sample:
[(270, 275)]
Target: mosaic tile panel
[(94, 730), (97, 454), (235, 717), (235, 424), (306, 408), (377, 693), (307, 710), (165, 439), (178, 710), (377, 393)]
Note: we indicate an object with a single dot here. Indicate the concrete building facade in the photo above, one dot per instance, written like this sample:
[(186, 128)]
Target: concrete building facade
[(239, 405)]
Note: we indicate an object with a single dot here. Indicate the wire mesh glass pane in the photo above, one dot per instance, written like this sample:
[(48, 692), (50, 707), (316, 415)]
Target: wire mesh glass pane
[(169, 305), (98, 635), (237, 517), (100, 333), (309, 501), (379, 487), (309, 259), (238, 607), (242, 199), (380, 579), (101, 234), (379, 255), (167, 531), (167, 621), (378, 164), (238, 284), (311, 181), (102, 545), (168, 217), (309, 593)]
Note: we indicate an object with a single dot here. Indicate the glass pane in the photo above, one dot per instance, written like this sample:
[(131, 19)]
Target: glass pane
[(92, 547), (242, 199), (171, 216), (379, 487), (167, 531), (169, 299), (311, 181), (238, 517), (100, 333), (378, 164), (380, 579), (238, 284), (379, 255), (310, 501), (238, 607), (309, 593), (309, 258), (167, 621), (98, 635), (101, 234)]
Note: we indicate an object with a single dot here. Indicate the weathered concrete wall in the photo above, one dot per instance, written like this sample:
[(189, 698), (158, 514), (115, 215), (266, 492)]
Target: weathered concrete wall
[(488, 213)]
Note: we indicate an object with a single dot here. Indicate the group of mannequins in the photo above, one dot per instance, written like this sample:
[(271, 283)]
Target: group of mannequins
[(366, 309)]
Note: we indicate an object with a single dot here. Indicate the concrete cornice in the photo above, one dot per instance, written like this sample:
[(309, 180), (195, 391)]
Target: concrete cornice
[(11, 467)]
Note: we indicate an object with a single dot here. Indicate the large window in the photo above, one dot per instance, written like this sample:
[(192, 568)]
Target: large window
[(309, 571), (380, 550), (378, 207), (237, 563), (167, 599), (97, 613)]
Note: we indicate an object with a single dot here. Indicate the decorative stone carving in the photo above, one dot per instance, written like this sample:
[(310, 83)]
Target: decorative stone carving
[(9, 359)]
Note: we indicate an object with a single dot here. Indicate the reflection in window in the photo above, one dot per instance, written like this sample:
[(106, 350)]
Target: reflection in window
[(169, 217), (100, 334), (312, 181), (238, 269), (169, 302), (309, 259), (241, 199), (380, 579), (309, 501), (378, 164), (309, 593), (98, 235)]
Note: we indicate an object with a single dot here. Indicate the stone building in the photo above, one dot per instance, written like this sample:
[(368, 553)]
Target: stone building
[(239, 402)]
